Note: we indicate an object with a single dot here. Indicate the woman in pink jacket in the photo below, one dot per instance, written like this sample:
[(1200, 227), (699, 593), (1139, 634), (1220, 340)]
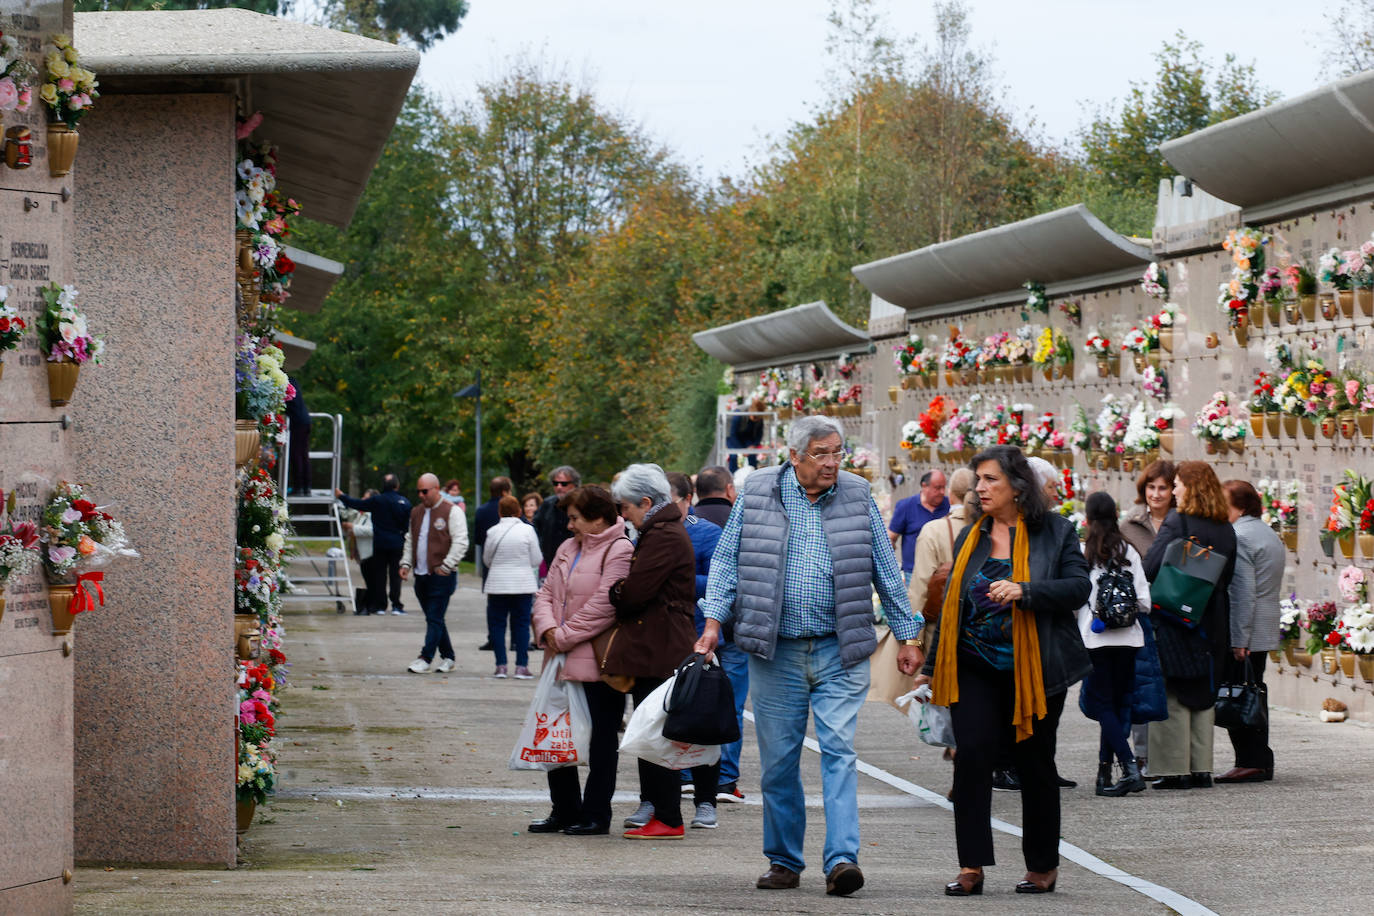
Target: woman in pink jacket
[(570, 610)]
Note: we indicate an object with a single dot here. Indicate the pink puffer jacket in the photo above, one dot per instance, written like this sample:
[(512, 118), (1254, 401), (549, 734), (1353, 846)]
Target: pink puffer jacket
[(575, 603)]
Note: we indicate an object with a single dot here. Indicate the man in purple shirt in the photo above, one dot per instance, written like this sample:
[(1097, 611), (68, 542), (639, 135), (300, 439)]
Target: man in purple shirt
[(912, 513)]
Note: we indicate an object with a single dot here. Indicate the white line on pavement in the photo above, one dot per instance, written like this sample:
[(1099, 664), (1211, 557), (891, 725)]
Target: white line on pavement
[(520, 796), (1175, 901)]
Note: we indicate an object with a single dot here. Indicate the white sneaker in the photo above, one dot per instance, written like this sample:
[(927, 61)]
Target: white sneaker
[(642, 815), (705, 817), (419, 666), (445, 666)]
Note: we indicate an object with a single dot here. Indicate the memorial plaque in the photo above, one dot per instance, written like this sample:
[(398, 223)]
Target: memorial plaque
[(35, 673)]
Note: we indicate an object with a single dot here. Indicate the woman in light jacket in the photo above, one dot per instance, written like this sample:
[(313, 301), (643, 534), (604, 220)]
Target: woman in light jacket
[(572, 609), (512, 559), (1108, 690)]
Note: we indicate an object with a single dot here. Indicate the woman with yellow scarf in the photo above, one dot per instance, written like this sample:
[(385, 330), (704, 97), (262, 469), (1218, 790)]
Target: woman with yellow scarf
[(1006, 652)]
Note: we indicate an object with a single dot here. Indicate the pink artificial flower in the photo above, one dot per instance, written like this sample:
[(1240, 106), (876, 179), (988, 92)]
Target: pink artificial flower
[(9, 95), (59, 555), (290, 391), (65, 84), (1352, 390), (71, 515), (248, 712), (247, 127), (25, 97)]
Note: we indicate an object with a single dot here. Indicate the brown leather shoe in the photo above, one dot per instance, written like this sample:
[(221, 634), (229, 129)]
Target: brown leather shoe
[(1245, 774), (844, 879), (778, 878)]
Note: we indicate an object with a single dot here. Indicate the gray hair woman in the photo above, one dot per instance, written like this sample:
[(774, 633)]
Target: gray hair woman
[(658, 597)]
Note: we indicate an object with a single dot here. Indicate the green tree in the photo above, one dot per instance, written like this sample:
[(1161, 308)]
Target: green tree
[(391, 338), (1120, 148), (1349, 45)]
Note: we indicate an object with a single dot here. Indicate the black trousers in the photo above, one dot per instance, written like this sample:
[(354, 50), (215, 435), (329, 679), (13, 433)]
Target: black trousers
[(374, 583), (659, 786), (1112, 687), (1251, 744), (985, 736), (593, 802), (390, 562)]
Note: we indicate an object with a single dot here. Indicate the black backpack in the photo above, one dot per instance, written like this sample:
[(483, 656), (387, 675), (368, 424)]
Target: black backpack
[(1116, 599)]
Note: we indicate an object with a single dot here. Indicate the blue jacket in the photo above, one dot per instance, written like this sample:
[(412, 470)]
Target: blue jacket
[(704, 537), (390, 517)]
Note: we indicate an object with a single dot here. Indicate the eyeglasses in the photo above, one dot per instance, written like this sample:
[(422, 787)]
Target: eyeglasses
[(562, 483), (827, 457)]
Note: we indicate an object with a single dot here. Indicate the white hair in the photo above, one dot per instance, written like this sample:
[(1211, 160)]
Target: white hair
[(640, 480), (806, 430), (1043, 470)]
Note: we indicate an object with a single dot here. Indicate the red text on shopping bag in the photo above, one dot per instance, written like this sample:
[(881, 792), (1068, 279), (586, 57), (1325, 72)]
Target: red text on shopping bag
[(553, 741)]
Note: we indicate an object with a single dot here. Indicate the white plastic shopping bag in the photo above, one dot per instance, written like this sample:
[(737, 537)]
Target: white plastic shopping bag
[(933, 723), (558, 727), (644, 736)]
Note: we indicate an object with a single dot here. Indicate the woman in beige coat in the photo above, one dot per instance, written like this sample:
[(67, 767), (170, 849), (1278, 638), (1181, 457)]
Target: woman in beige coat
[(573, 608)]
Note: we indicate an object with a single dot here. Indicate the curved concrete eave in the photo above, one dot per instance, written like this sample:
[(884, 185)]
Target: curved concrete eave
[(802, 333), (1050, 248), (328, 99), (1314, 141)]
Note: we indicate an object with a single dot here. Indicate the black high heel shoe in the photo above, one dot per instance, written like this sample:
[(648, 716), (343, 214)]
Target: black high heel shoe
[(1030, 887), (968, 884)]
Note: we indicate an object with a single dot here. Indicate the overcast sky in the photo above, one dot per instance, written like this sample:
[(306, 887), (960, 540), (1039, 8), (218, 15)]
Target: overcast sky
[(715, 79)]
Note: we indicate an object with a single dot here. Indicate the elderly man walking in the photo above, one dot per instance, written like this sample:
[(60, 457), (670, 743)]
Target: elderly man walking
[(436, 541), (795, 570)]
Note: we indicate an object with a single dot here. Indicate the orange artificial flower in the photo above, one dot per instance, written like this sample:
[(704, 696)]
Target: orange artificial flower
[(85, 546)]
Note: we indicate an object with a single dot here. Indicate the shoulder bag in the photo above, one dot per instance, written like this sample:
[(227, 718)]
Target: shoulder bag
[(601, 648), (1187, 579)]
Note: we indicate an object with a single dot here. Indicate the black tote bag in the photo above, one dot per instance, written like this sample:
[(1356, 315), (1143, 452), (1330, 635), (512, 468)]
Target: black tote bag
[(1244, 705), (701, 705)]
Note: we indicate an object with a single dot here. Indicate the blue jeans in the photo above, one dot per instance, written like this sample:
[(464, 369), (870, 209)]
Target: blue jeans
[(433, 592), (806, 675), (517, 608), (736, 665)]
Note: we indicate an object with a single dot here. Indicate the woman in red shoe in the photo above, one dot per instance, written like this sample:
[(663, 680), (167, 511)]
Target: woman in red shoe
[(1005, 654), (654, 607), (571, 610)]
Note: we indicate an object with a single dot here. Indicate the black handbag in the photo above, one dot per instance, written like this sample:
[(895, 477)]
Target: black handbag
[(701, 705), (1244, 705)]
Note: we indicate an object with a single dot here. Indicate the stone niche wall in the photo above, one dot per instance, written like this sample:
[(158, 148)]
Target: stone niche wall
[(1195, 373), (35, 666), (154, 715)]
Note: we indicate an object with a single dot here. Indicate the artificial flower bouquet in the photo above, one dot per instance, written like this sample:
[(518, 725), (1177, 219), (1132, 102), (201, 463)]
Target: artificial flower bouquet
[(1155, 282), (1320, 623), (62, 328), (79, 536), (12, 327), (16, 76), (1279, 502), (1291, 614), (1356, 627), (1217, 422), (69, 90), (1036, 300), (18, 546), (1099, 346)]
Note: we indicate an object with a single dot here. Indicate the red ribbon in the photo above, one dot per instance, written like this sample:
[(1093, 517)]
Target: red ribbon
[(81, 599)]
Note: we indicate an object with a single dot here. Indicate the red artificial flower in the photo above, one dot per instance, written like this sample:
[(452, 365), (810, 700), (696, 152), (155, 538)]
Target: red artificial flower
[(86, 508), (277, 657), (285, 266), (4, 325)]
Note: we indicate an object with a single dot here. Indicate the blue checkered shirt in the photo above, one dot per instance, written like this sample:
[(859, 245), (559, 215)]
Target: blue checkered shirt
[(808, 595)]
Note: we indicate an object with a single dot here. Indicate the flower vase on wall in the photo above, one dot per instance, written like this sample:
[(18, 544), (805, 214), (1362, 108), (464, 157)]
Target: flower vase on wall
[(62, 142)]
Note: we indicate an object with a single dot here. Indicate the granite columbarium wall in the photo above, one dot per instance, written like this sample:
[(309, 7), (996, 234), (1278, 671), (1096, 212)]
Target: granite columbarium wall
[(156, 440), (36, 242)]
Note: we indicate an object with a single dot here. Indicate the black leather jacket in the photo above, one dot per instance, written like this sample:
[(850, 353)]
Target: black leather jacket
[(1058, 587)]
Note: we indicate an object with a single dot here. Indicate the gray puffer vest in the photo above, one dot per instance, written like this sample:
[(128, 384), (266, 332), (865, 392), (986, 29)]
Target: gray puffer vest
[(763, 564)]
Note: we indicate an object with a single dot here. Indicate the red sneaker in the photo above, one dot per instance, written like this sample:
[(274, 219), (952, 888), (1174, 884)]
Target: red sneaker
[(655, 830)]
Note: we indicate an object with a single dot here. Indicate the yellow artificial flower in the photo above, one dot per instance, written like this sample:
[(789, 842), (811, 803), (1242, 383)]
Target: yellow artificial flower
[(70, 54), (48, 93), (57, 67)]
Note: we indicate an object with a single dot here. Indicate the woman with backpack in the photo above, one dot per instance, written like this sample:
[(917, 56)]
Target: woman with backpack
[(1112, 635)]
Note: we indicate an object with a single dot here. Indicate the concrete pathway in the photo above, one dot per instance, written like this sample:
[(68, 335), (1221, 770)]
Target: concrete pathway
[(395, 798)]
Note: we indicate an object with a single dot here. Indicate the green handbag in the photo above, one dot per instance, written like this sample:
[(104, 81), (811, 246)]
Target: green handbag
[(1186, 579)]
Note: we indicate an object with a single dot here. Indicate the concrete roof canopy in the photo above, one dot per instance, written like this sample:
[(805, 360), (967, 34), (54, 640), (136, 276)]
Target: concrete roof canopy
[(1070, 247), (312, 281), (1318, 140), (799, 334), (328, 98)]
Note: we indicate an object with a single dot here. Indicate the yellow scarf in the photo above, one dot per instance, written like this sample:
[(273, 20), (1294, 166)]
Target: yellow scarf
[(1025, 640)]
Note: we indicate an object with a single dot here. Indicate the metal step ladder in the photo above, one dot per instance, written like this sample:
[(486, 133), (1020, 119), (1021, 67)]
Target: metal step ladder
[(315, 517)]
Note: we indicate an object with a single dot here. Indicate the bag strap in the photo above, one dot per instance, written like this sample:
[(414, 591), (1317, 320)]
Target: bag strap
[(498, 544), (608, 550)]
